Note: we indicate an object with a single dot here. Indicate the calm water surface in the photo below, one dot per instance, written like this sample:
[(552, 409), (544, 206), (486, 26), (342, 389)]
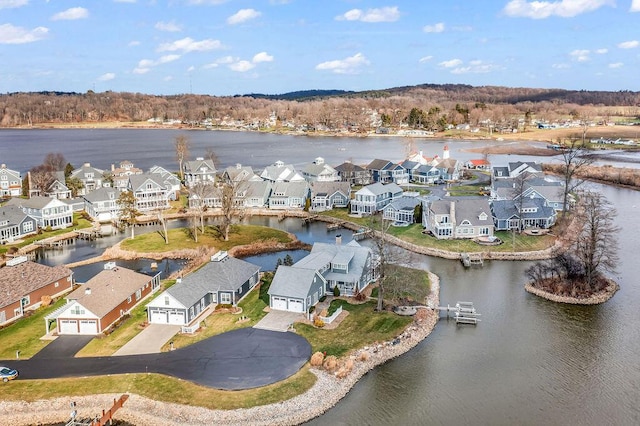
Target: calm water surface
[(529, 362)]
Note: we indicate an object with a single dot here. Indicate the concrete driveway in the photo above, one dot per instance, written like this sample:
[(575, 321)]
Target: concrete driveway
[(149, 341), (279, 320)]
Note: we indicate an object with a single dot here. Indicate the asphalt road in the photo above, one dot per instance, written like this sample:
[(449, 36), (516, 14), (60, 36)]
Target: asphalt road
[(240, 359)]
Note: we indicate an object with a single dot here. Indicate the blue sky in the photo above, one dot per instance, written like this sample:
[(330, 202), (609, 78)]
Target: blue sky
[(230, 47)]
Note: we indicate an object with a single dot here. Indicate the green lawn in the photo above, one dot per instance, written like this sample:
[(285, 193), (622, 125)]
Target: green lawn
[(159, 388), (363, 326), (181, 238)]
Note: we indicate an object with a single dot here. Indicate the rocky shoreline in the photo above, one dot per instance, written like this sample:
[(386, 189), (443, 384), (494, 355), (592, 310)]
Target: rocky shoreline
[(323, 395), (595, 299)]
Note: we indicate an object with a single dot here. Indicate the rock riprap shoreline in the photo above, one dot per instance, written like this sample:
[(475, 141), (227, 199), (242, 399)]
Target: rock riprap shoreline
[(324, 394)]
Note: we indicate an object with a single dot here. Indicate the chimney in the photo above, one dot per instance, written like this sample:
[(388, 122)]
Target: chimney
[(238, 166), (87, 290), (452, 213), (113, 167), (445, 153), (338, 239)]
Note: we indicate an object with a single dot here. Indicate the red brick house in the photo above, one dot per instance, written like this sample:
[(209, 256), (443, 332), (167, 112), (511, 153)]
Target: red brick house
[(104, 299), (23, 284)]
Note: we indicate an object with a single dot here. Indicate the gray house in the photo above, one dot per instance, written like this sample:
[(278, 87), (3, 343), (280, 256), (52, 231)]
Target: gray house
[(402, 210), (349, 267), (373, 198), (90, 177), (102, 204), (224, 280), (463, 217), (327, 195), (515, 214), (15, 224), (10, 182), (289, 195)]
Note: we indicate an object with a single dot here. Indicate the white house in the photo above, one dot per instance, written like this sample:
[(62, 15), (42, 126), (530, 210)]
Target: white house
[(48, 212), (10, 182), (373, 198)]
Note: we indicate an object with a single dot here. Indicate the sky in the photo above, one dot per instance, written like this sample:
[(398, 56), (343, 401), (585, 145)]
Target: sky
[(234, 47)]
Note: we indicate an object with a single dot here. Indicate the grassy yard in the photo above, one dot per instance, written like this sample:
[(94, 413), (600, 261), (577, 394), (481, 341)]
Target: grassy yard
[(363, 326), (24, 334), (465, 190), (181, 238), (160, 388)]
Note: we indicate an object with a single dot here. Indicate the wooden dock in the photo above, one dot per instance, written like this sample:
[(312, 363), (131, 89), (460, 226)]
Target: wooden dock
[(463, 312)]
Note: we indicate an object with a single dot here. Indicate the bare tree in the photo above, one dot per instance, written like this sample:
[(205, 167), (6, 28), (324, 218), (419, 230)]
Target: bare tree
[(55, 161), (596, 245), (574, 159), (40, 179), (199, 193), (232, 195), (182, 146), (128, 211), (163, 222)]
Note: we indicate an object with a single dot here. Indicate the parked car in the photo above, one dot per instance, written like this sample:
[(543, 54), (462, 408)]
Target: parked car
[(8, 374)]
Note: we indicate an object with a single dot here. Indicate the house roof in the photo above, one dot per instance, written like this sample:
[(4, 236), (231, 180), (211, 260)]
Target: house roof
[(4, 170), (24, 278), (404, 203), (227, 274), (137, 181), (379, 188), (102, 194), (280, 172), (108, 289), (349, 167), (330, 188), (38, 202), (292, 281), (81, 172), (379, 164), (239, 172), (466, 208), (290, 189), (260, 188), (507, 209), (13, 215), (200, 165)]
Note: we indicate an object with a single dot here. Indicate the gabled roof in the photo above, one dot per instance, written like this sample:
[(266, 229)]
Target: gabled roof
[(4, 170), (102, 194), (466, 208), (19, 280), (239, 172), (167, 176), (81, 172), (330, 188), (108, 289), (137, 181), (290, 189), (349, 167), (379, 188), (259, 188), (38, 202), (292, 281), (404, 203), (13, 215), (379, 164), (280, 172), (227, 274), (200, 165)]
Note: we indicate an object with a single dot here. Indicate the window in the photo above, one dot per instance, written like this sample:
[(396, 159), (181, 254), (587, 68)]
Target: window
[(77, 310), (138, 294), (56, 284), (166, 301), (225, 298), (129, 299)]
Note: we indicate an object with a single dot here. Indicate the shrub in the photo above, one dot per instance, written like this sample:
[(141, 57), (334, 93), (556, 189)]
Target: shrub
[(330, 363), (323, 298), (317, 359), (336, 291), (223, 306), (312, 309), (318, 322), (360, 297), (364, 356)]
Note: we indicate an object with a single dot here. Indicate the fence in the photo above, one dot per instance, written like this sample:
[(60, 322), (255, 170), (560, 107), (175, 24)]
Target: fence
[(329, 320)]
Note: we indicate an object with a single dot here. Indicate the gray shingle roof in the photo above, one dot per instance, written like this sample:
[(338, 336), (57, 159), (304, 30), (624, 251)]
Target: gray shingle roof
[(292, 281)]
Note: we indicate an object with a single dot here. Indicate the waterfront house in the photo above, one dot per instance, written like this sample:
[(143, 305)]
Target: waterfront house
[(354, 174), (319, 171), (15, 224), (48, 212), (256, 193), (280, 172), (199, 170), (530, 186), (518, 214), (373, 198), (515, 169), (209, 196), (402, 211), (239, 173), (480, 164), (171, 181), (458, 217), (120, 176), (90, 177), (224, 280), (102, 204), (149, 191), (289, 195), (10, 182), (24, 285), (56, 188), (349, 267), (327, 195), (98, 304)]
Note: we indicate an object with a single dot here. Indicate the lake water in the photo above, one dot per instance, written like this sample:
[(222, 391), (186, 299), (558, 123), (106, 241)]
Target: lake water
[(528, 362)]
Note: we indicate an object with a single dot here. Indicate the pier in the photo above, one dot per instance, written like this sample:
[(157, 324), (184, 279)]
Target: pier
[(463, 312)]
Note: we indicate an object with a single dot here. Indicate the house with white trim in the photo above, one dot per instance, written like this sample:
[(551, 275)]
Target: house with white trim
[(149, 191), (458, 217), (102, 204), (289, 195), (10, 182), (90, 177), (199, 170), (319, 171), (48, 212), (327, 195), (373, 198), (15, 224), (280, 172)]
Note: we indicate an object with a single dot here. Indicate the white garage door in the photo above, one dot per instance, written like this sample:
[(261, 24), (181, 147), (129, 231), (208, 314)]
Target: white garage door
[(296, 305), (279, 303), (176, 318), (159, 318), (68, 327), (88, 327)]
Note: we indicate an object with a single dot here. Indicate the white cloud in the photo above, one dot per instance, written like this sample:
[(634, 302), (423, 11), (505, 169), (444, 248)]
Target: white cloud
[(71, 14), (425, 59), (141, 70), (560, 66), (191, 68), (106, 77), (383, 14), (601, 51), (262, 57), (545, 9), (171, 27), (188, 44), (167, 58), (629, 44), (580, 55), (242, 66), (436, 28), (124, 1), (214, 2), (227, 60), (168, 78), (145, 65), (475, 67), (616, 65), (18, 35), (452, 63), (243, 15), (133, 43), (635, 6), (350, 65), (11, 4)]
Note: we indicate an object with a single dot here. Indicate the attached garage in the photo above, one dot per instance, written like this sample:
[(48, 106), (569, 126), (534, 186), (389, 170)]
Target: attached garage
[(176, 318), (159, 317), (68, 327), (296, 305), (279, 303), (88, 327)]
